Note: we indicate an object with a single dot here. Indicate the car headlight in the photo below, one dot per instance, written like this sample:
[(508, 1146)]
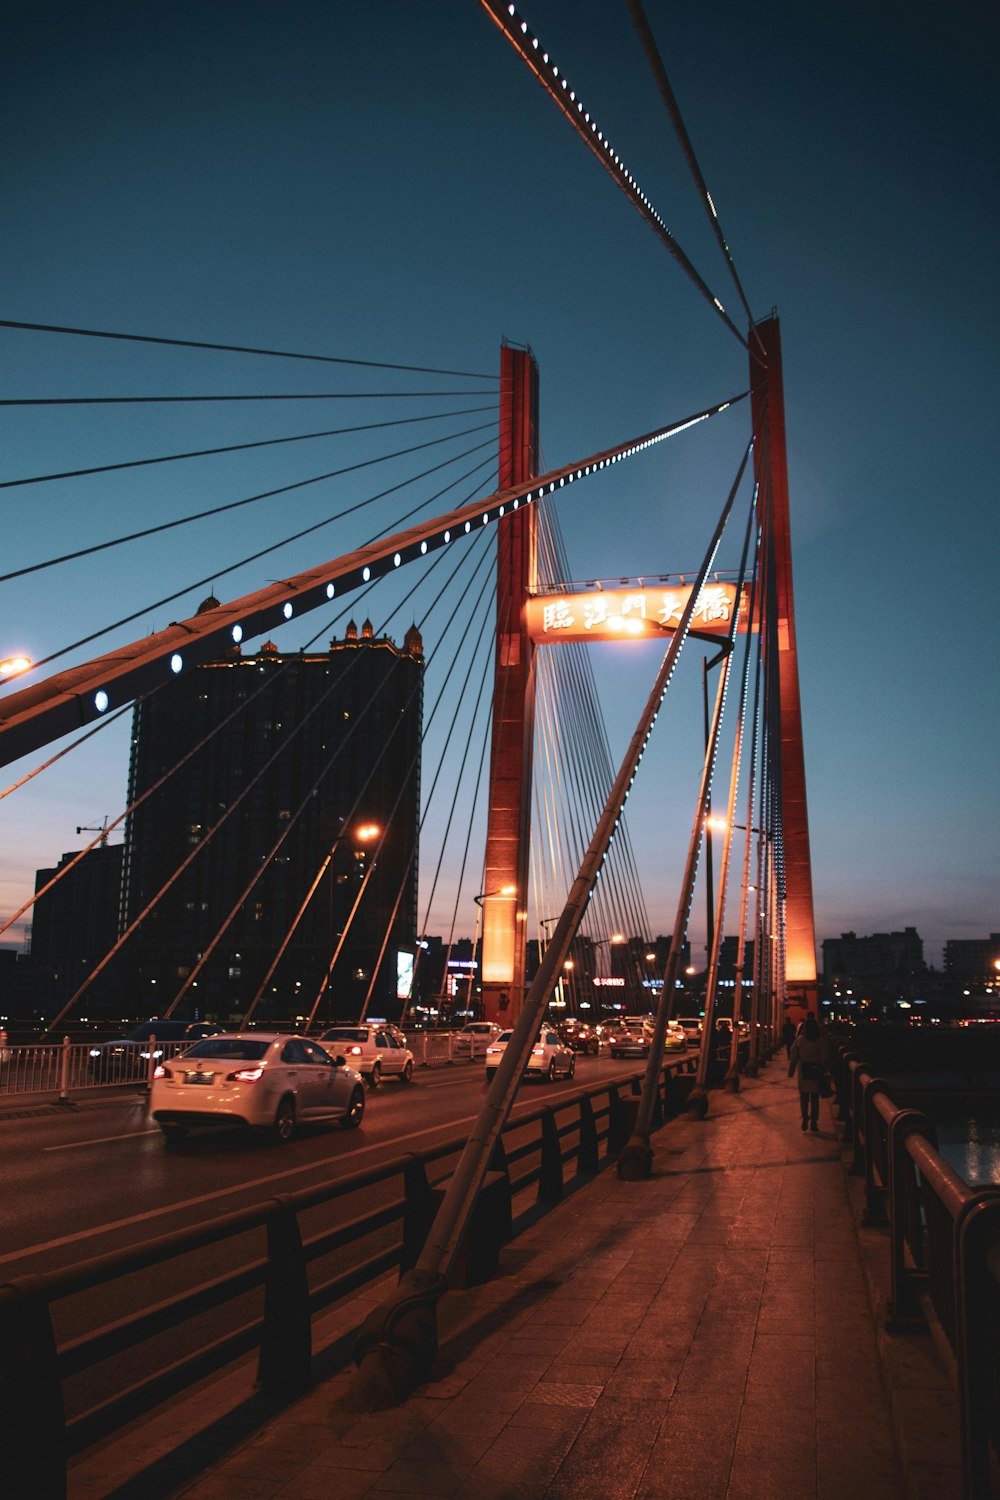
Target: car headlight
[(95, 1051)]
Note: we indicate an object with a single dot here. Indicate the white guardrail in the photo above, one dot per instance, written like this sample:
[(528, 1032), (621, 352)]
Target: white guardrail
[(62, 1069)]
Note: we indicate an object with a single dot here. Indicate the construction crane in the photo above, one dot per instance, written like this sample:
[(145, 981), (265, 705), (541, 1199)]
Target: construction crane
[(101, 828)]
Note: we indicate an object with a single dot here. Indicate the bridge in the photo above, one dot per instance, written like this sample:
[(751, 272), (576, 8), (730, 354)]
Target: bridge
[(506, 806)]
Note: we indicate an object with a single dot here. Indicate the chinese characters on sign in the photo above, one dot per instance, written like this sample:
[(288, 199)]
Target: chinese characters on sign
[(618, 614)]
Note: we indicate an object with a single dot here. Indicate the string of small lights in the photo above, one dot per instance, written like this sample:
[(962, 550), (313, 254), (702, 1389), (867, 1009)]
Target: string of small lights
[(529, 49)]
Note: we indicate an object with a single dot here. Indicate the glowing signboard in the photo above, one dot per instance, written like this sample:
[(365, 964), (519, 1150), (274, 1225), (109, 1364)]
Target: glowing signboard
[(630, 613)]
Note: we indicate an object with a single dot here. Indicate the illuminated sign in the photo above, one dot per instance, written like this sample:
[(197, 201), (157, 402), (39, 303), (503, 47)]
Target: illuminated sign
[(617, 982), (404, 975), (629, 614)]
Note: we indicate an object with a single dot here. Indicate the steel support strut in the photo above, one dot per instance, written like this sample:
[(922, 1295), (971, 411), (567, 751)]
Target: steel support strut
[(397, 1344)]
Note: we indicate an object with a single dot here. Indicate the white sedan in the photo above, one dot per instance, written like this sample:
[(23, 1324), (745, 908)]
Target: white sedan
[(265, 1080), (549, 1058), (374, 1049)]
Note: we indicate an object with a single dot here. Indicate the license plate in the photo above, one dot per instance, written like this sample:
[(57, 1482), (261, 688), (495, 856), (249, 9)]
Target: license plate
[(198, 1077)]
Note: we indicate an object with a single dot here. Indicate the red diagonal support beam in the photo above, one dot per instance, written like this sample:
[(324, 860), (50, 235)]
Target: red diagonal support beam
[(72, 699)]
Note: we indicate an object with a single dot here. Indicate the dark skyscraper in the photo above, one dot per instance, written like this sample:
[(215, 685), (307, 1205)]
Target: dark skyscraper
[(73, 927), (296, 801)]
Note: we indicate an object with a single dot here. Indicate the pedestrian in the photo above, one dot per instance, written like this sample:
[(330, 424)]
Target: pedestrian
[(788, 1035), (807, 1060)]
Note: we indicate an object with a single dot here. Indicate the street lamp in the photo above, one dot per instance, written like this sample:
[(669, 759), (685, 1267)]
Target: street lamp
[(505, 890), (13, 666)]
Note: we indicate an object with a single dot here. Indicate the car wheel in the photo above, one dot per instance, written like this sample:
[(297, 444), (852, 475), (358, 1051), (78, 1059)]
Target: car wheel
[(491, 1073), (355, 1111), (551, 1074), (407, 1074), (284, 1122), (173, 1133), (375, 1076), (614, 1053), (572, 1068)]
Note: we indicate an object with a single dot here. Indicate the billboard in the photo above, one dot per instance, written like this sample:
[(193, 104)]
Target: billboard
[(631, 613)]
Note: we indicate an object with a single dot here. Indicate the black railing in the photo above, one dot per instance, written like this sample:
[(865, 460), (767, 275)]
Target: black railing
[(346, 1256), (944, 1249)]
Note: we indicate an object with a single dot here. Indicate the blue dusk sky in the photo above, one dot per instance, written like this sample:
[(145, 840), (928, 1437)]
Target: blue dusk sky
[(387, 182)]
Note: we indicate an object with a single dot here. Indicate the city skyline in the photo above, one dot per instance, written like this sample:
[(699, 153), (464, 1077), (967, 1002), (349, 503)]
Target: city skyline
[(362, 189)]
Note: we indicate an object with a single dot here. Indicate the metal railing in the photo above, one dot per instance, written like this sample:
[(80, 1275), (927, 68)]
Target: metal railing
[(64, 1069), (944, 1249), (296, 1273)]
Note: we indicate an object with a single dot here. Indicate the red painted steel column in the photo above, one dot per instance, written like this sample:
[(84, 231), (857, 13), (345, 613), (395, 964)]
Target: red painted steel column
[(771, 469), (505, 883)]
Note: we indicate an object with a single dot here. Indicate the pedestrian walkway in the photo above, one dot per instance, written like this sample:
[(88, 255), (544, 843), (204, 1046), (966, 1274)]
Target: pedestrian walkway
[(704, 1335)]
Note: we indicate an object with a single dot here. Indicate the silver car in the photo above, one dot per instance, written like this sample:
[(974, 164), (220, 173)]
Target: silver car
[(266, 1080)]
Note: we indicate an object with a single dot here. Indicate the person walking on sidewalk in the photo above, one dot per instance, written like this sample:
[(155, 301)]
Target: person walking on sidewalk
[(807, 1060)]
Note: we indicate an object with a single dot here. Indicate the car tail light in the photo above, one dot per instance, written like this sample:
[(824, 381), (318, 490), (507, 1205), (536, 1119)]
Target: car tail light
[(162, 1072), (354, 1051), (245, 1075)]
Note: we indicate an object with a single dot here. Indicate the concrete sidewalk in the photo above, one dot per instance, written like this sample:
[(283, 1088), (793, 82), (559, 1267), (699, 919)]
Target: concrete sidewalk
[(704, 1334)]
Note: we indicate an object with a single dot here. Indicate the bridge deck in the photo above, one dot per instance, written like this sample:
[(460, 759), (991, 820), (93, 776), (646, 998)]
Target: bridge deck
[(704, 1334)]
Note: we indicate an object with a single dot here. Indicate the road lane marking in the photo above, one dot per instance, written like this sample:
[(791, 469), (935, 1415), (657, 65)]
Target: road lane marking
[(170, 1208), (100, 1140)]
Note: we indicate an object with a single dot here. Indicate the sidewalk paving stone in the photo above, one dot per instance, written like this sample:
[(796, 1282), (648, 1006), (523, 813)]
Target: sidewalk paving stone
[(703, 1335)]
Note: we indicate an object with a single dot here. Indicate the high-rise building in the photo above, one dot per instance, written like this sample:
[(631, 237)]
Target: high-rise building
[(74, 925), (973, 958), (275, 857), (883, 954)]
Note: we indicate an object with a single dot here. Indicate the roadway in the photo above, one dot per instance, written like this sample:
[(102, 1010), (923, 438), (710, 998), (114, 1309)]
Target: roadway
[(87, 1181), (96, 1178)]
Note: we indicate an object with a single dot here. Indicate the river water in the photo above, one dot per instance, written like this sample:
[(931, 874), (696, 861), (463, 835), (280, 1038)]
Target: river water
[(972, 1147)]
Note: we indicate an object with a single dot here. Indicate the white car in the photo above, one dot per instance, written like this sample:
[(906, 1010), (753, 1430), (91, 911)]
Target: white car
[(549, 1058), (266, 1080), (474, 1039), (373, 1050), (675, 1038)]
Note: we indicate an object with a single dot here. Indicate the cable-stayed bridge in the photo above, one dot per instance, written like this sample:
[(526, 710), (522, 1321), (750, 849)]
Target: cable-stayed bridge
[(439, 513)]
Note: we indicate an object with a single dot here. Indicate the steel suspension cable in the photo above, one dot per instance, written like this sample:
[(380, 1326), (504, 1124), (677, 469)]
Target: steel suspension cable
[(326, 860), (211, 578), (441, 1244), (529, 49), (590, 744), (361, 890), (455, 794), (271, 855), (230, 505), (161, 781), (302, 437), (244, 396), (146, 338), (655, 61)]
